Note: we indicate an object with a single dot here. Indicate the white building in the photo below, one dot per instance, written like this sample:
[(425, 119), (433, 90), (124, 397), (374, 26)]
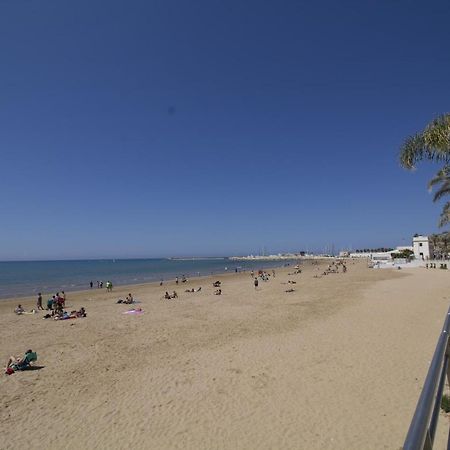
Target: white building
[(381, 256), (423, 249)]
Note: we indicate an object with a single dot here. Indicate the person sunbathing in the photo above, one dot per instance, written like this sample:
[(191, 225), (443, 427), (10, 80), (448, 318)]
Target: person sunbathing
[(77, 314), (18, 363), (174, 295), (216, 284), (290, 290), (167, 296), (218, 292), (61, 315), (19, 310)]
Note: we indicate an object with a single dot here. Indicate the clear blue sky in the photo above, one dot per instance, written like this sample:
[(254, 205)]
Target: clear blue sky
[(153, 128)]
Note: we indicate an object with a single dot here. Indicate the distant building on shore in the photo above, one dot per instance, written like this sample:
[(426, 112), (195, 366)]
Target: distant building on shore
[(422, 247), (279, 256), (377, 255)]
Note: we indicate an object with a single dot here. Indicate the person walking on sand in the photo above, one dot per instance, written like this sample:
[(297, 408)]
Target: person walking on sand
[(256, 283), (39, 302)]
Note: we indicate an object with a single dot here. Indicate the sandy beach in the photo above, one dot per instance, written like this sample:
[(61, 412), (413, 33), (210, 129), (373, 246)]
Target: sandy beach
[(337, 364)]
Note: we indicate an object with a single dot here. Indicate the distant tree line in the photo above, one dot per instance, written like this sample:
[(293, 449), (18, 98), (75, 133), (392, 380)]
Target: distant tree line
[(403, 254), (374, 250)]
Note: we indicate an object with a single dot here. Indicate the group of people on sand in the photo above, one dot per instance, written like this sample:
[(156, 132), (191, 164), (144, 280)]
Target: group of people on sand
[(57, 302), (109, 285), (64, 315), (217, 284), (128, 301), (262, 275), (334, 267), (193, 290), (55, 308), (183, 279), (168, 296)]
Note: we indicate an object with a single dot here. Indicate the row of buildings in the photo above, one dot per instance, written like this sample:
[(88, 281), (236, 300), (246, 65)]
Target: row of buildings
[(421, 247)]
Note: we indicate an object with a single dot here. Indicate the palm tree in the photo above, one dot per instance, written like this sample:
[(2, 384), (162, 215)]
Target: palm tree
[(442, 178), (441, 243), (432, 144)]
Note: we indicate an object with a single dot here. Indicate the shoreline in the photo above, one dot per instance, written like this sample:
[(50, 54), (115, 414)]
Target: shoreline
[(269, 265), (122, 288), (127, 286)]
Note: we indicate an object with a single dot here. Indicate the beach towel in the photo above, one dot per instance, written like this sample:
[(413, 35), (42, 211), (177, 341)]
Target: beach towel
[(134, 312)]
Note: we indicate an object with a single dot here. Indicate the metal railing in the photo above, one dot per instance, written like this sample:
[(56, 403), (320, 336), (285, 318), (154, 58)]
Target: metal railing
[(423, 425)]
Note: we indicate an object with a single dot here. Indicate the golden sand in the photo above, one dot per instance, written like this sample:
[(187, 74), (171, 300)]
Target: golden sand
[(337, 364)]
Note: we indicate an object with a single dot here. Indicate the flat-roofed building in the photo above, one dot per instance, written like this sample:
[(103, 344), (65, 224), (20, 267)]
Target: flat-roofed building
[(423, 249)]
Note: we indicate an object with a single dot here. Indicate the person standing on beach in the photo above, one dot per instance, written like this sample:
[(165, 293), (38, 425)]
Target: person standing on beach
[(50, 303), (256, 283), (39, 302), (176, 280), (91, 284), (273, 273)]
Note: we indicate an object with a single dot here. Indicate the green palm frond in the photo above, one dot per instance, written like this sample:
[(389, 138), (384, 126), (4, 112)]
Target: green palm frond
[(445, 215), (432, 144), (412, 151), (442, 178), (443, 190), (437, 134)]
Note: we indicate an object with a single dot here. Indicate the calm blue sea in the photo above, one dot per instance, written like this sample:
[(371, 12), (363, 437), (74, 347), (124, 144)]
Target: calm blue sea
[(25, 278)]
